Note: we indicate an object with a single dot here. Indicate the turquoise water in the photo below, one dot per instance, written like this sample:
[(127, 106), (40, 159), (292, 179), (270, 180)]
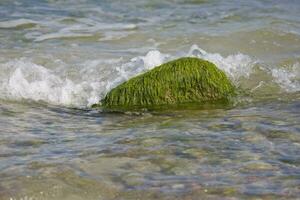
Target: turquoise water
[(58, 57)]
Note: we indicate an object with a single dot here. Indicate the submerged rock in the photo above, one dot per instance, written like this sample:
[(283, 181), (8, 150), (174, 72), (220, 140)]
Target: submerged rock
[(182, 81)]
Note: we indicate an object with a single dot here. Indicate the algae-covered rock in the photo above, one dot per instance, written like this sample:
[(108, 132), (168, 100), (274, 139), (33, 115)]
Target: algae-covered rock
[(185, 80)]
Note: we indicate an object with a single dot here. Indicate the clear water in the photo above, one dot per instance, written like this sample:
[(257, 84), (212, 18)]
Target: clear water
[(58, 57)]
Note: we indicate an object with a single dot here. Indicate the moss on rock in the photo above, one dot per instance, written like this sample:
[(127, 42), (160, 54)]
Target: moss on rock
[(182, 81)]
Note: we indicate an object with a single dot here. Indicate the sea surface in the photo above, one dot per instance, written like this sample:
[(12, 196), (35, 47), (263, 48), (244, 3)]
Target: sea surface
[(59, 57)]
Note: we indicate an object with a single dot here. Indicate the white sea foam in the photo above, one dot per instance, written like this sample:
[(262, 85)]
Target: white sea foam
[(31, 81), (23, 79)]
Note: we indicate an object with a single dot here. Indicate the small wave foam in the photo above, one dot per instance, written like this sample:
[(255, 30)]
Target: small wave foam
[(85, 29), (288, 79), (61, 35), (17, 23), (23, 79)]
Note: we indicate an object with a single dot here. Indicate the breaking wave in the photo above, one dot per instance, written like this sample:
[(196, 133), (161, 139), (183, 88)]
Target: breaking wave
[(22, 79)]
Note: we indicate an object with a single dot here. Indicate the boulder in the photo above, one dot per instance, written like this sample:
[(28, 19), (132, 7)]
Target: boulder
[(182, 81)]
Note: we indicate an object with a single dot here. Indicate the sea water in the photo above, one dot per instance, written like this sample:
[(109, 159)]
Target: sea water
[(58, 57)]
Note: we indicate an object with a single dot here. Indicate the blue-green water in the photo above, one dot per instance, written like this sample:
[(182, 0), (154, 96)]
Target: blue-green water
[(59, 57)]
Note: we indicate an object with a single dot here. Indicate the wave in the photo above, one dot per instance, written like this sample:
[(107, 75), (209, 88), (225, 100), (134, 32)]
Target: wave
[(18, 23), (85, 29), (62, 35), (22, 79)]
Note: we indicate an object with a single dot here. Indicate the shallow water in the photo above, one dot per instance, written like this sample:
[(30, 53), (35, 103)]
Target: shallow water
[(58, 57)]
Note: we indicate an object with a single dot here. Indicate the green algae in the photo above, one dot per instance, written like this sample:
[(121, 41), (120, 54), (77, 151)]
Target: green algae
[(183, 81)]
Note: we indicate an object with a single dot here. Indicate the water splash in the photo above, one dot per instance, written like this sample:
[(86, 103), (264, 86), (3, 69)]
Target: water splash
[(28, 80)]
